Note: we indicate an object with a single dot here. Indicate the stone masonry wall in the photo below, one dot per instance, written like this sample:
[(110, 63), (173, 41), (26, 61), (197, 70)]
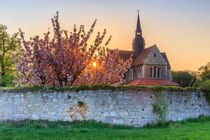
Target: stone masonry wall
[(116, 107)]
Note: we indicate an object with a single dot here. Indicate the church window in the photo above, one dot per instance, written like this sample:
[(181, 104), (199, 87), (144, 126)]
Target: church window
[(150, 72), (158, 72), (155, 71), (154, 55)]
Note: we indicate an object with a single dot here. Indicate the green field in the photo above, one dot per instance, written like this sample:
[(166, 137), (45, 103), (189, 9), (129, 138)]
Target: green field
[(192, 129)]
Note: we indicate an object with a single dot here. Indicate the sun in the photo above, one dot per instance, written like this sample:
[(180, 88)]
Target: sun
[(94, 64)]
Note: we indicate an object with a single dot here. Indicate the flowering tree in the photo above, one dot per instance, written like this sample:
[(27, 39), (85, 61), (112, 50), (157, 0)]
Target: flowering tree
[(106, 68), (66, 59)]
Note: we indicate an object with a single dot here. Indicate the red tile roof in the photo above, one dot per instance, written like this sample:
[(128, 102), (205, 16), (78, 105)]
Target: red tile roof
[(142, 56), (125, 54), (152, 82)]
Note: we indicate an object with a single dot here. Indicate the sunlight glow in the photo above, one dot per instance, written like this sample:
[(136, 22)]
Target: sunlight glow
[(94, 64)]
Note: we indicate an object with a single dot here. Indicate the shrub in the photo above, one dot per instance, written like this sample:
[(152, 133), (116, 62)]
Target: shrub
[(183, 78), (205, 86), (7, 80), (160, 107), (80, 103)]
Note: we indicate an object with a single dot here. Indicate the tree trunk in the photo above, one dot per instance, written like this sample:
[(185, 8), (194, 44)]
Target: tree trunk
[(3, 73), (3, 65)]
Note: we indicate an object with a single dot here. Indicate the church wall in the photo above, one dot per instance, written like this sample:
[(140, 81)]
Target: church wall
[(170, 75), (163, 71), (137, 72), (147, 71), (155, 57), (130, 74), (139, 75)]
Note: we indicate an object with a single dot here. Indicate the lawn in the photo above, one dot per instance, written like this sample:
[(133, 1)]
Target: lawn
[(192, 129)]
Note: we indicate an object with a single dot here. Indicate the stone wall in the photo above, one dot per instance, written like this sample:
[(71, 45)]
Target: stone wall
[(116, 107)]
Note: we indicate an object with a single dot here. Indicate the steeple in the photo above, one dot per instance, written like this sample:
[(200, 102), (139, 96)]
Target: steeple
[(138, 26), (138, 42)]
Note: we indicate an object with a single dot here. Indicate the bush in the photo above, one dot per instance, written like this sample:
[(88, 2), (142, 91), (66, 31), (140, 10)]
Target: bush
[(7, 81), (205, 86), (80, 103), (160, 108), (183, 78)]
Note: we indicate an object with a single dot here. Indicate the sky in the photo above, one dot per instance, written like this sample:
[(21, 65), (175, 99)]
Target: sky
[(181, 28)]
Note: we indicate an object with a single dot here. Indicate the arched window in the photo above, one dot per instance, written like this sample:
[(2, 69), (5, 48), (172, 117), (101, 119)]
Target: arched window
[(150, 72), (154, 55), (155, 71), (158, 72)]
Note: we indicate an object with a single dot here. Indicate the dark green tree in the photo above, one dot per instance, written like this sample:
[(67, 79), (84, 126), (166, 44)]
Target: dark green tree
[(183, 78), (203, 75), (205, 72), (8, 48)]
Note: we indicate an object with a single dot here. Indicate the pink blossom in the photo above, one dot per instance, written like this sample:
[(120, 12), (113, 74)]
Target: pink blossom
[(66, 59)]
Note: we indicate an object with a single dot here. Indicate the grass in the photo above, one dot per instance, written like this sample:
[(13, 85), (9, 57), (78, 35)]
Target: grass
[(191, 129)]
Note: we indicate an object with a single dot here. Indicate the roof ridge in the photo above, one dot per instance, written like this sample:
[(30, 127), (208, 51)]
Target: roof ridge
[(150, 47), (126, 50)]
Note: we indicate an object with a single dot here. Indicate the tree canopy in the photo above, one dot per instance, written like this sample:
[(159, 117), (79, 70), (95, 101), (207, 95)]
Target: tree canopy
[(205, 72), (183, 78), (8, 49)]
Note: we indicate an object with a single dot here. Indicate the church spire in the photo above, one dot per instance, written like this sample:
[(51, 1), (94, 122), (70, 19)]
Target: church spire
[(138, 26), (138, 42)]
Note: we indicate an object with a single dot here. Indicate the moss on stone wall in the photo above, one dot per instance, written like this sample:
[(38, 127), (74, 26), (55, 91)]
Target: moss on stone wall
[(98, 87)]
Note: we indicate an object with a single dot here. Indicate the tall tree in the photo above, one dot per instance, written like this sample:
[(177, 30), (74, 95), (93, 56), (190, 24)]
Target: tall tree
[(205, 72), (8, 48), (203, 75)]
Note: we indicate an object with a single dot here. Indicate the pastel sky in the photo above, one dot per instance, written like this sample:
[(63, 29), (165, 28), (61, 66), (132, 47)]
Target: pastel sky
[(181, 28)]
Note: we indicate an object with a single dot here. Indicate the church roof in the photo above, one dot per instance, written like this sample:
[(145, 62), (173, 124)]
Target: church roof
[(141, 57), (153, 82), (125, 54)]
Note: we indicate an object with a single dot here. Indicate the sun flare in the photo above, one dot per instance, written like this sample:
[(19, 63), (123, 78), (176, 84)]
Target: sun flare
[(94, 64)]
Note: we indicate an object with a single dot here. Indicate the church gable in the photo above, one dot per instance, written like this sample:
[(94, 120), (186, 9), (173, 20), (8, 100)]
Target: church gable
[(154, 57)]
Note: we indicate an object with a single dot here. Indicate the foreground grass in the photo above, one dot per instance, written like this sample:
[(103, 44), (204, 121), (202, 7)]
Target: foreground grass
[(192, 129)]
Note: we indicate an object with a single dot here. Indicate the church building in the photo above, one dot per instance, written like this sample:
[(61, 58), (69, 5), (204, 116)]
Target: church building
[(149, 66)]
